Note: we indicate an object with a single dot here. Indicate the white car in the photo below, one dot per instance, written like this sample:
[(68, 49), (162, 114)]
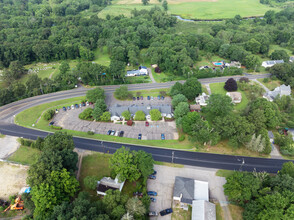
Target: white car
[(116, 133), (72, 107), (87, 103)]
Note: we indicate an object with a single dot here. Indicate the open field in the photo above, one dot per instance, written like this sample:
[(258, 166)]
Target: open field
[(25, 155), (102, 56), (192, 9), (271, 84)]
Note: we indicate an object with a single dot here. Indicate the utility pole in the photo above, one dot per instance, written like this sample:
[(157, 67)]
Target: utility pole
[(103, 147), (243, 162), (173, 154)]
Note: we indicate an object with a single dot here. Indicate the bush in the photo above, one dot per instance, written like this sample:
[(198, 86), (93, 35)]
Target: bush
[(90, 182), (39, 144), (48, 115), (140, 116), (126, 114), (157, 70), (231, 85), (155, 115), (290, 124), (162, 93), (244, 80), (90, 133), (105, 116), (266, 80), (56, 127), (86, 114), (122, 93), (94, 94), (182, 137), (177, 99), (26, 142), (129, 122)]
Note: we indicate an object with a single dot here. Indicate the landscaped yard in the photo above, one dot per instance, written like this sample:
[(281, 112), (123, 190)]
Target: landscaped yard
[(180, 214), (271, 84), (25, 155), (218, 88), (236, 212)]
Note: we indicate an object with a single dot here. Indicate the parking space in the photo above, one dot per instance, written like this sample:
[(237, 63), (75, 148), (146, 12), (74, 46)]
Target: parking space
[(69, 120), (164, 183)]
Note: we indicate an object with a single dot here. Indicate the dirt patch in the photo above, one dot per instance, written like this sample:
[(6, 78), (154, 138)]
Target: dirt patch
[(131, 2), (8, 145), (12, 179)]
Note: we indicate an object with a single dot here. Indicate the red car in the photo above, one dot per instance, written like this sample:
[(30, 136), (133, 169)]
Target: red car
[(146, 123)]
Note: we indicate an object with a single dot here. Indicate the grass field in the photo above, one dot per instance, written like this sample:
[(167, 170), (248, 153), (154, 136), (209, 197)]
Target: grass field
[(219, 212), (236, 212), (271, 84), (192, 9), (224, 173), (102, 57), (219, 89), (25, 155)]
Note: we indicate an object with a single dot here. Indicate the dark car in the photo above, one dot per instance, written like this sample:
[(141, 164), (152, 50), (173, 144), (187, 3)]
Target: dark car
[(162, 137), (158, 97), (152, 199), (51, 123), (134, 98), (141, 97), (154, 172), (138, 98), (121, 134), (109, 132), (146, 123), (76, 106), (166, 211), (140, 136), (152, 177), (139, 194), (148, 97), (162, 97), (68, 107), (152, 214), (64, 108), (151, 193), (83, 104)]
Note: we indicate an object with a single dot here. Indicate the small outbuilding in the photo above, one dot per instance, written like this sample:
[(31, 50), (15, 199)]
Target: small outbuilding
[(235, 96), (107, 183), (195, 108)]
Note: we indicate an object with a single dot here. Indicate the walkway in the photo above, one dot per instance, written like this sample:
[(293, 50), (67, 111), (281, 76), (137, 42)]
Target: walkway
[(263, 86), (151, 76), (208, 89)]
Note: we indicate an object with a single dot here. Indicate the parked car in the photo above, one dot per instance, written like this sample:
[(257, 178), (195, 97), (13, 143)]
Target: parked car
[(51, 123), (81, 105), (72, 107), (166, 211), (162, 97), (152, 177), (139, 194), (140, 136), (158, 97), (109, 132), (68, 107), (76, 106), (134, 98), (121, 134), (138, 98), (90, 103), (112, 132), (153, 214), (148, 97), (152, 199), (56, 111), (162, 137), (117, 133), (64, 108), (141, 97), (146, 123), (154, 172), (87, 103), (151, 193), (151, 97)]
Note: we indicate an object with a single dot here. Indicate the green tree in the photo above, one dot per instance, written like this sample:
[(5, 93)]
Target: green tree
[(97, 113), (181, 110), (177, 88), (90, 182), (165, 5), (105, 116), (135, 207), (145, 163), (219, 105), (114, 202), (155, 115), (191, 88), (280, 55), (288, 168), (177, 99), (140, 116), (100, 103), (253, 46), (122, 93), (64, 67), (145, 2), (95, 94), (125, 163), (86, 114), (126, 114), (252, 61)]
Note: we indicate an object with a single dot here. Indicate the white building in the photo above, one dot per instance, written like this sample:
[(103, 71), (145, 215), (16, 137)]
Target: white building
[(107, 183), (235, 96), (271, 63), (279, 91), (202, 99)]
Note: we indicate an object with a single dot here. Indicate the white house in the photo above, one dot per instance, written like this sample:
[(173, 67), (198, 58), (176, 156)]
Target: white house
[(235, 96), (291, 59), (279, 91), (233, 64), (271, 63), (107, 183), (202, 99)]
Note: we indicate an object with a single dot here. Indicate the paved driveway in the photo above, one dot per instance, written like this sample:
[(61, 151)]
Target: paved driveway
[(164, 184), (70, 120)]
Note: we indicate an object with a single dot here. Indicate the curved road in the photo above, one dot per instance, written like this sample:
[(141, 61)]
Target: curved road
[(229, 162)]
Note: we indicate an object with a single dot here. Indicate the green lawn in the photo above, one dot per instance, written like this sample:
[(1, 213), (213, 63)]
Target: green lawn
[(219, 212), (2, 136), (95, 164), (278, 47), (102, 57), (25, 155), (271, 84), (219, 89), (151, 92), (166, 77), (224, 173)]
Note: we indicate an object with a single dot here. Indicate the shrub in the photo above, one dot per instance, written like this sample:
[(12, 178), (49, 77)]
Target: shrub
[(126, 114), (56, 127), (163, 93), (244, 80), (86, 114), (94, 94), (105, 116), (290, 124), (155, 115), (157, 70), (129, 122), (182, 137), (266, 80), (26, 142), (140, 116), (231, 85), (48, 115), (90, 182), (38, 144), (90, 133)]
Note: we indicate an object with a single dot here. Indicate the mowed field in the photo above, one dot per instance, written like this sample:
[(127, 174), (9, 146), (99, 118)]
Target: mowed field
[(193, 9)]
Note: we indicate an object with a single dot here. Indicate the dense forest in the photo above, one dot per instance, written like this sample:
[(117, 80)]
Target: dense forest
[(45, 31)]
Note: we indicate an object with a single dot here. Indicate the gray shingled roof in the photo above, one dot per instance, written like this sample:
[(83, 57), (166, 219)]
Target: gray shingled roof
[(184, 186)]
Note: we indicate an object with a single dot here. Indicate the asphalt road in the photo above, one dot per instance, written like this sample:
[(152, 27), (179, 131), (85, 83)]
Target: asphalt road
[(229, 162)]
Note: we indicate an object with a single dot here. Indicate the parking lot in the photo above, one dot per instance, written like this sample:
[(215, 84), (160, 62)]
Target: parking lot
[(164, 184), (69, 120)]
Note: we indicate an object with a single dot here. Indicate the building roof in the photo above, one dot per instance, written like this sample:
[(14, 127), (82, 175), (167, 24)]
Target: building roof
[(195, 107), (291, 59), (184, 187), (203, 210), (235, 96), (107, 183), (272, 62), (201, 190), (117, 109), (131, 72), (103, 188), (281, 90)]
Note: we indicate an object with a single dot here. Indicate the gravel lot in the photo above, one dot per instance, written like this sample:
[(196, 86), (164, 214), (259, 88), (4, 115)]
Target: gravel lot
[(164, 184), (69, 120), (8, 145)]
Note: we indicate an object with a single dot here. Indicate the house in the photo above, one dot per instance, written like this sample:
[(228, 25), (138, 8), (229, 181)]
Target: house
[(107, 183), (291, 59), (235, 96), (271, 63), (202, 99), (117, 110), (233, 64), (279, 91), (195, 108), (142, 71), (187, 191)]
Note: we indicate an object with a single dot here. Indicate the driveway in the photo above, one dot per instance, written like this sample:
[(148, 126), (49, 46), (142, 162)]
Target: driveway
[(164, 184), (70, 120), (8, 145)]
